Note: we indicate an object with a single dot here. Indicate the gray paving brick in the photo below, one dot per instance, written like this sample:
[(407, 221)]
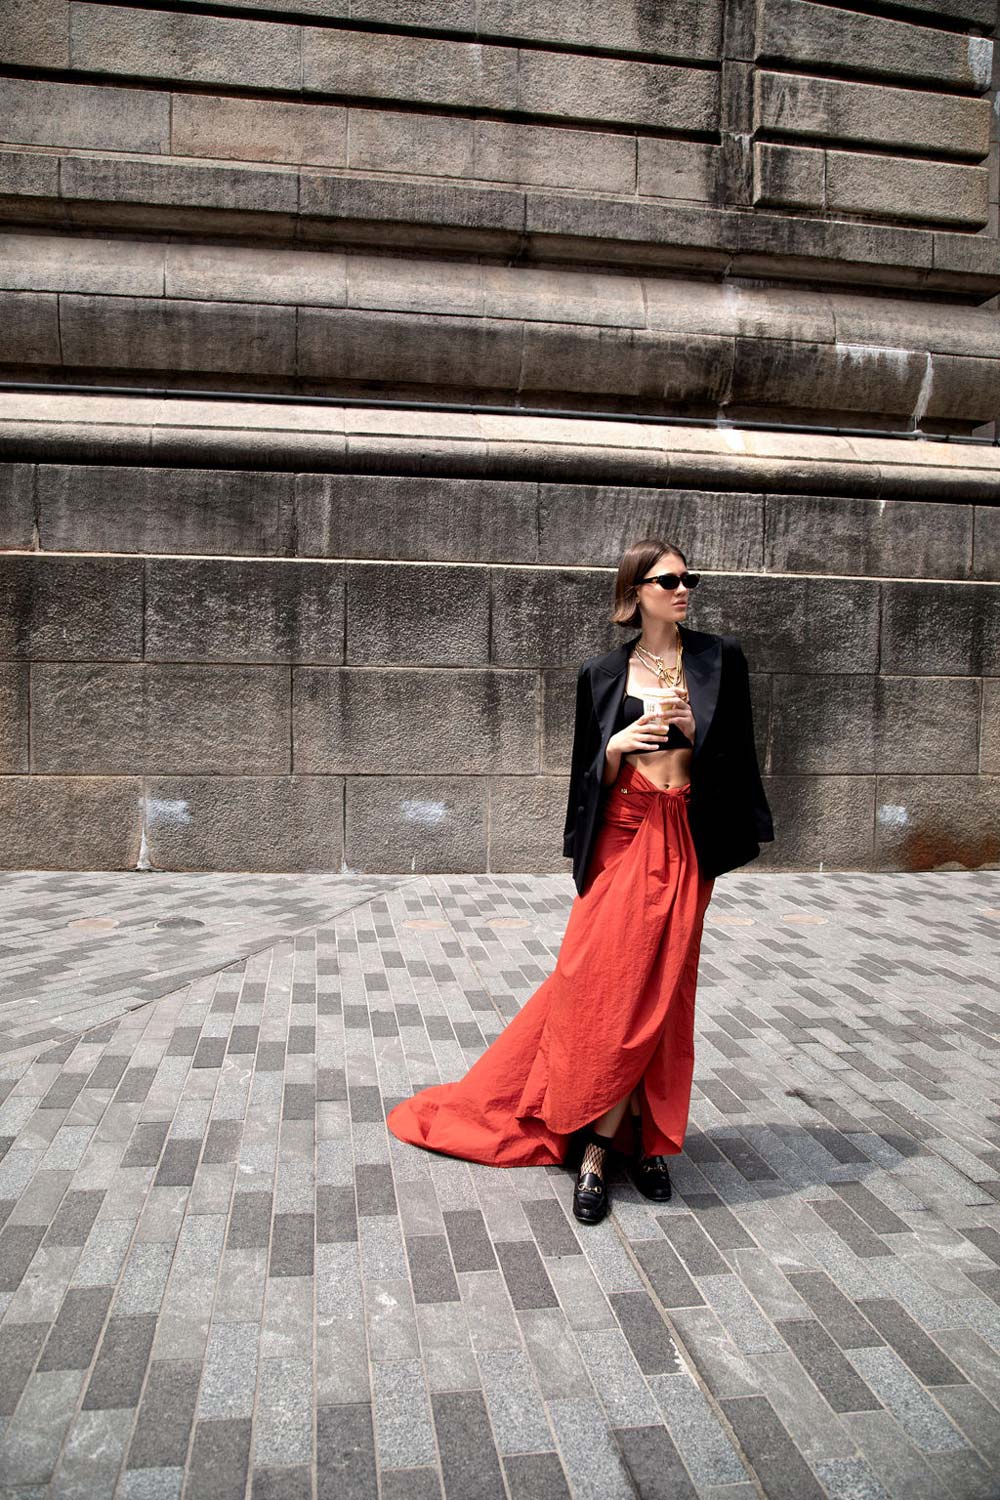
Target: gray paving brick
[(166, 1415), (20, 1346), (345, 1453), (250, 1221), (120, 1367), (374, 1189), (667, 1275), (550, 1227), (431, 1269), (654, 1464), (220, 1457), (469, 1460), (778, 1464), (927, 1361), (76, 1331), (178, 1163), (525, 1275), (836, 1312), (471, 1248), (292, 1245), (832, 1373), (651, 1343), (18, 1243)]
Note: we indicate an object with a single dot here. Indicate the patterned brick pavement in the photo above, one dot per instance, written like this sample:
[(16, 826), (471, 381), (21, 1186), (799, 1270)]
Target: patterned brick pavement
[(220, 1276)]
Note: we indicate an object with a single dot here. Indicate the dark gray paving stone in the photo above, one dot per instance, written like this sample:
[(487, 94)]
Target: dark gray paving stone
[(695, 1250), (270, 1057), (410, 1484), (20, 1346), (835, 1376), (249, 1221), (777, 1463), (345, 1453), (120, 1367), (646, 1332), (220, 1455), (166, 1415), (837, 1313), (178, 1163), (210, 1052), (525, 1274), (75, 1217), (875, 1213), (76, 1330), (667, 1275), (928, 1362), (431, 1270), (471, 1247), (301, 1039), (282, 1484), (374, 1188), (654, 1464), (331, 1085), (551, 1227), (18, 1243), (299, 1101), (292, 1245), (135, 1085), (469, 1460), (222, 1144), (336, 1216), (366, 1104), (184, 1041), (243, 1040), (853, 1231), (722, 1227), (146, 1144)]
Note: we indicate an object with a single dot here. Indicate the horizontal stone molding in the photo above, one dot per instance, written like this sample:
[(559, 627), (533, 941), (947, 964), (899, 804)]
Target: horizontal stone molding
[(311, 206), (341, 321), (880, 187), (808, 35), (277, 437)]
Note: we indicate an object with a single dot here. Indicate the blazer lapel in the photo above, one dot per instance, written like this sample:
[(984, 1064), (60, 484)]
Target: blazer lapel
[(702, 668)]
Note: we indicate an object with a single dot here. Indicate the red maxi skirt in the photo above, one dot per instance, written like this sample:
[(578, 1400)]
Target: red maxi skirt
[(617, 1010)]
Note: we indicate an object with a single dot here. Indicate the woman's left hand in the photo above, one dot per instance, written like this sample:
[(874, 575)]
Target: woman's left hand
[(682, 716)]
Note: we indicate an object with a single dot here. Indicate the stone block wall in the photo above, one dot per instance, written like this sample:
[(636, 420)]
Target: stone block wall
[(346, 346)]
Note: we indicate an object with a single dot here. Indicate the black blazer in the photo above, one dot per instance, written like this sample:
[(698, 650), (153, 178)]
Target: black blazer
[(727, 811)]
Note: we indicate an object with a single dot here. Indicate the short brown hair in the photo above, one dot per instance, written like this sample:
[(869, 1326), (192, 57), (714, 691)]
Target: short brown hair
[(636, 563)]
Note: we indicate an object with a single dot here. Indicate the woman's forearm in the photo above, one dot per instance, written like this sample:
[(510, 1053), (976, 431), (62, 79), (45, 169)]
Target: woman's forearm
[(612, 762)]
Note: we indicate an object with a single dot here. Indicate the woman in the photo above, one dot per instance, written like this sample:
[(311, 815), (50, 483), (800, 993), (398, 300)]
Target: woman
[(658, 807)]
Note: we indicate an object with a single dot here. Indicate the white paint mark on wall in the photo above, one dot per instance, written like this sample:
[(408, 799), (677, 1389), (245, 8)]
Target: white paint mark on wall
[(893, 815), (924, 393), (427, 814), (167, 810)]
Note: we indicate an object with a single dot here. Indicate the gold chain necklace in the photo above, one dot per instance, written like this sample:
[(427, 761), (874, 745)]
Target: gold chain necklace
[(666, 676)]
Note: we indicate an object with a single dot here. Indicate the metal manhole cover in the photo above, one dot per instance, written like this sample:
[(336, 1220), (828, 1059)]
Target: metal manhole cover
[(182, 924)]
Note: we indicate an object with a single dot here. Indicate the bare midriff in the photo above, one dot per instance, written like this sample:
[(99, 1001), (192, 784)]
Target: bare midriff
[(664, 768)]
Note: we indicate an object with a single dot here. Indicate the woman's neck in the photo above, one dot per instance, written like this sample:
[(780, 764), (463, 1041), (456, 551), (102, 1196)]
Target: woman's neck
[(659, 638)]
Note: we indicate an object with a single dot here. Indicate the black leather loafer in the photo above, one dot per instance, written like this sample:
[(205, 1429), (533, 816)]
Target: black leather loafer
[(590, 1198), (650, 1175)]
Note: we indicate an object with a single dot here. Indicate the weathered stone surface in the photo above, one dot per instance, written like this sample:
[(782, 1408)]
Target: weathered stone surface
[(425, 350), (28, 174), (591, 525), (677, 169), (91, 116), (416, 518), (599, 88), (673, 30), (383, 140), (70, 822), (30, 322), (242, 274), (258, 130), (17, 505), (416, 823), (552, 618), (424, 70), (34, 33), (220, 610), (929, 724), (986, 554), (800, 33), (940, 629), (13, 717), (58, 263), (72, 609), (867, 538), (788, 176), (159, 718), (224, 823), (989, 753), (826, 822), (198, 49), (526, 823), (392, 723), (832, 108), (783, 622), (540, 156), (924, 191), (937, 822), (421, 615), (822, 724), (177, 184), (157, 334), (102, 508)]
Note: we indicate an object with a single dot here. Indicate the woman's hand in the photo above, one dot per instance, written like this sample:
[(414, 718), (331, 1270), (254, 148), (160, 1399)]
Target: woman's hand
[(650, 730)]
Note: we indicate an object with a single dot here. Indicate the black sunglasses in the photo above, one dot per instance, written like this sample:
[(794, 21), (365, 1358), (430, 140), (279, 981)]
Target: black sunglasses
[(671, 580)]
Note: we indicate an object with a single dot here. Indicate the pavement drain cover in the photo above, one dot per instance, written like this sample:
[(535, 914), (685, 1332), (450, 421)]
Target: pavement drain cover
[(424, 923), (804, 918), (93, 924), (181, 923)]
